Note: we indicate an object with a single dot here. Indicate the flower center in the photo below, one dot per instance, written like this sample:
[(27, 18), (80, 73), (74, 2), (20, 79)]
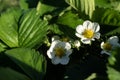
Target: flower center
[(88, 33), (107, 46), (59, 51)]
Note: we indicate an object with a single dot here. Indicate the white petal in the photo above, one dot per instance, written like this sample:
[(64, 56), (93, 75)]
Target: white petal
[(90, 26), (50, 54), (68, 52), (102, 45), (118, 45), (87, 24), (96, 27), (113, 40), (80, 29), (79, 35), (56, 60), (97, 35), (67, 46), (54, 44), (115, 45), (86, 41), (93, 39), (65, 60), (105, 52)]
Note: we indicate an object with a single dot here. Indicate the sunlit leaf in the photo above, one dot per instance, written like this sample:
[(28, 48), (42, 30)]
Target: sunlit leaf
[(24, 4), (8, 27), (69, 19), (44, 8), (2, 47), (27, 4), (68, 23), (92, 76), (30, 61), (86, 6), (10, 74), (32, 30), (113, 74), (116, 5)]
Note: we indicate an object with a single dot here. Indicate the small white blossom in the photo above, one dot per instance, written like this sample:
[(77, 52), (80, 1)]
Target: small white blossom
[(108, 46), (77, 43), (59, 52), (88, 31)]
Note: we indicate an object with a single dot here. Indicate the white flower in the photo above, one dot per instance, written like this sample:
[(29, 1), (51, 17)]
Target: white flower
[(88, 31), (110, 45), (59, 52), (77, 43)]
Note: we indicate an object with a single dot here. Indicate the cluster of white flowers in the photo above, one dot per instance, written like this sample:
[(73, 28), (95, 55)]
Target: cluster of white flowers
[(60, 51)]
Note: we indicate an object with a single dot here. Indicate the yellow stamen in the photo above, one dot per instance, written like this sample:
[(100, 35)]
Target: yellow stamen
[(107, 46), (88, 33), (59, 51)]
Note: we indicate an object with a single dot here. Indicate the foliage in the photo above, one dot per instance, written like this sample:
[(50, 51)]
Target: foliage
[(113, 65), (26, 30), (30, 28), (11, 74), (32, 62)]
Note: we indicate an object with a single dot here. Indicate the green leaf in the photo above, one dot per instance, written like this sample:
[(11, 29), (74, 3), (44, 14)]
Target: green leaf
[(10, 74), (107, 16), (32, 30), (9, 27), (67, 31), (113, 66), (69, 19), (68, 23), (111, 4), (111, 17), (109, 20), (103, 3), (54, 28), (43, 8), (114, 59), (30, 61), (113, 74), (116, 5), (2, 47), (23, 4), (86, 6), (94, 76), (27, 4)]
